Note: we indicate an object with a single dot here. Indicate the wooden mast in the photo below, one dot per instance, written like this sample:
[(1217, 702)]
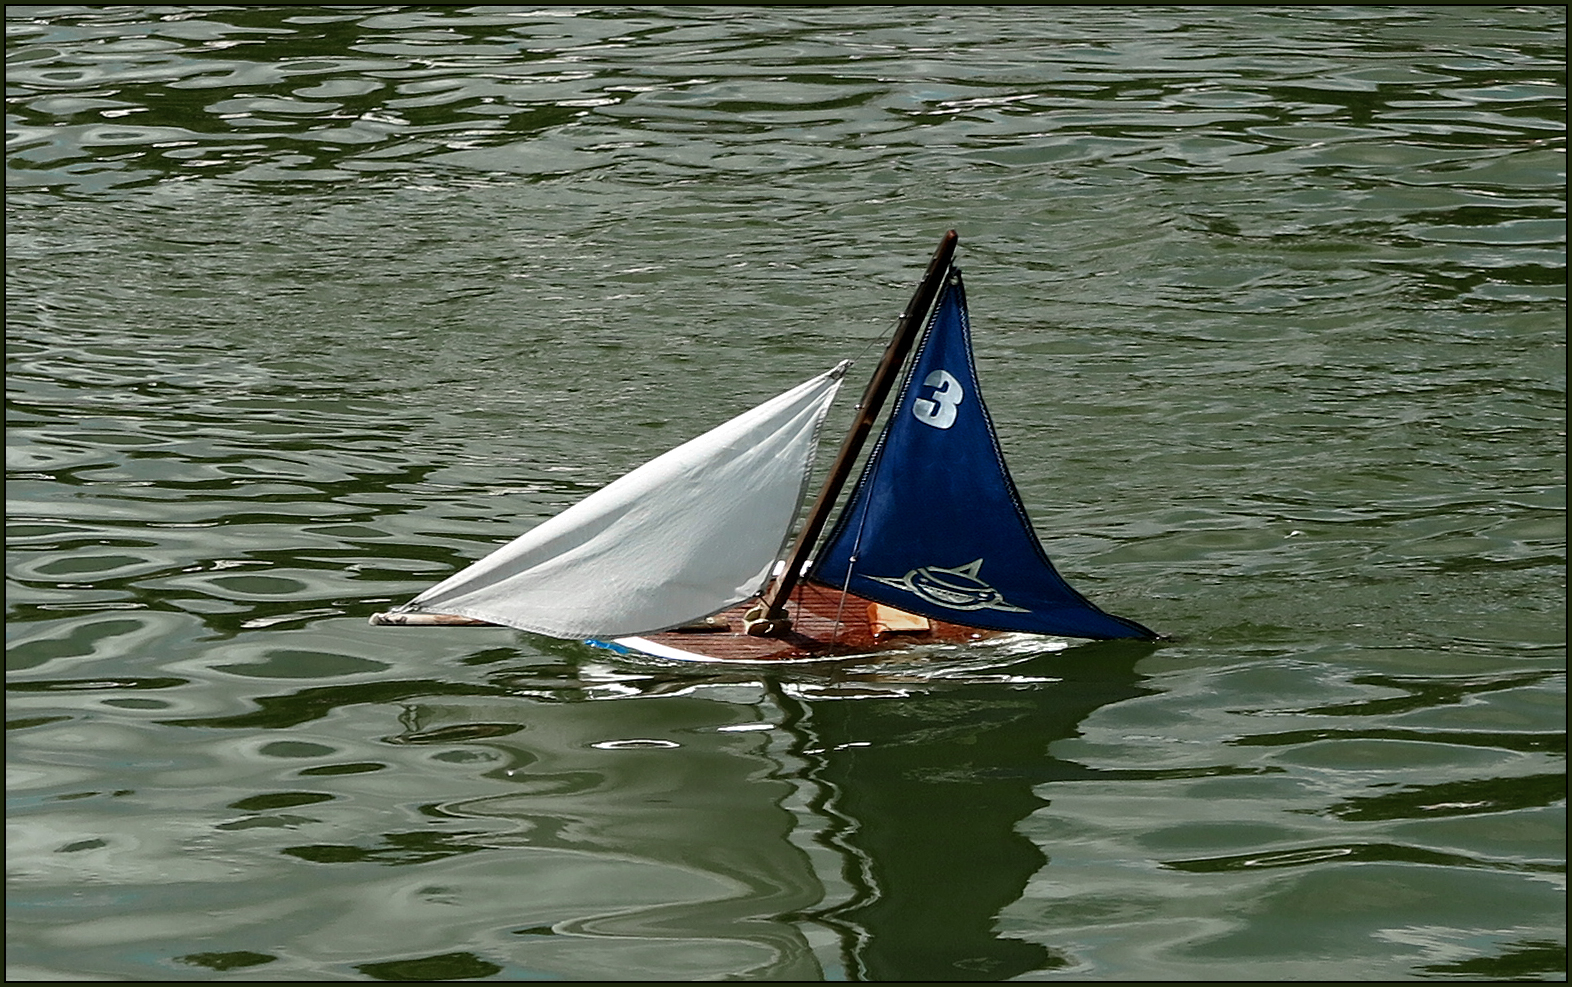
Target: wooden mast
[(770, 616)]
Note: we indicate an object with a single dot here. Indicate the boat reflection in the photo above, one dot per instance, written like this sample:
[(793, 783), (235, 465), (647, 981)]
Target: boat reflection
[(842, 823), (925, 797)]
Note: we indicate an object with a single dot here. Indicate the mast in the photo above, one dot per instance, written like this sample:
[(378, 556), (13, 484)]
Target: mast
[(770, 616)]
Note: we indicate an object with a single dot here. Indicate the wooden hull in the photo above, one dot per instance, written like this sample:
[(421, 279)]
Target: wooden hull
[(826, 624)]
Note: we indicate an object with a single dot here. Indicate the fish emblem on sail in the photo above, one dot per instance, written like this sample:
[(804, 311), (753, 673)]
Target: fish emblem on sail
[(959, 588)]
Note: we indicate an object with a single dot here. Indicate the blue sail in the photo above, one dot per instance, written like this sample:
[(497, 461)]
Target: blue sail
[(935, 525)]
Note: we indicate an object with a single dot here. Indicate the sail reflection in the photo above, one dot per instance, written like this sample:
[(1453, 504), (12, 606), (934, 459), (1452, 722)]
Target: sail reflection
[(926, 795)]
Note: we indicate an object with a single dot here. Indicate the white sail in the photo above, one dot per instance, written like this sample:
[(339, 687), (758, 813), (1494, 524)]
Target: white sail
[(688, 534)]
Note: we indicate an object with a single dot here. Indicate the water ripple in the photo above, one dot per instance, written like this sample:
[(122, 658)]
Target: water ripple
[(309, 307)]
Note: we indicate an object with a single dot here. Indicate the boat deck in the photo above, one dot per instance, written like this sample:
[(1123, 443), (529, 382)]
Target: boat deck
[(826, 623)]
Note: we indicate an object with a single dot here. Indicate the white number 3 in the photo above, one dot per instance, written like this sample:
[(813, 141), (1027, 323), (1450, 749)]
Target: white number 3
[(940, 410)]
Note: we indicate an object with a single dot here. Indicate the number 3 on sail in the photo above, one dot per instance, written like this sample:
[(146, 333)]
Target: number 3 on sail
[(947, 396), (683, 557)]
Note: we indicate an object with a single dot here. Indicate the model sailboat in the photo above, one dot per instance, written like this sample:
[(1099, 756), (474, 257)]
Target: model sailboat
[(687, 556)]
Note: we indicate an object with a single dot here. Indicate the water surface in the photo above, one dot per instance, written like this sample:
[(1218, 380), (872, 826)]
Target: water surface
[(307, 307)]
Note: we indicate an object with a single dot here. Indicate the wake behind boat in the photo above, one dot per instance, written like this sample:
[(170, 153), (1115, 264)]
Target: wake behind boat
[(686, 557)]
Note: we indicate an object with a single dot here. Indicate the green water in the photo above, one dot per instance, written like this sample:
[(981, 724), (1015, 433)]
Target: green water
[(307, 307)]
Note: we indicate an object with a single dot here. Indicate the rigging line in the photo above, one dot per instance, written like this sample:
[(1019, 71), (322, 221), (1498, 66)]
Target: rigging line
[(840, 609), (882, 340), (873, 341), (851, 563), (862, 522)]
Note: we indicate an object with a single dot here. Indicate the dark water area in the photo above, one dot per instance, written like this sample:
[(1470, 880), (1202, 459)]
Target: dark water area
[(307, 307)]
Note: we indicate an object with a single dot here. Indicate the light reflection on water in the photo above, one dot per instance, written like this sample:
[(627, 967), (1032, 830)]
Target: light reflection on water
[(306, 307)]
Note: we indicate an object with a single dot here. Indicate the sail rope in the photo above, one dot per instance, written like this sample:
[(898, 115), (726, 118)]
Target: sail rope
[(851, 564), (840, 606), (840, 610), (881, 340), (851, 561)]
